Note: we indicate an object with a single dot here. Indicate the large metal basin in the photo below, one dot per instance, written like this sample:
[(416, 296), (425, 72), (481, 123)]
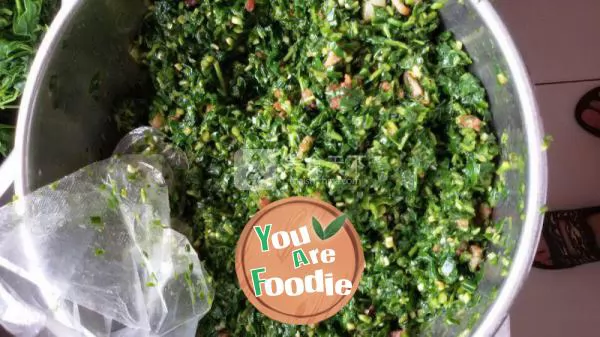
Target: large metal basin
[(63, 127)]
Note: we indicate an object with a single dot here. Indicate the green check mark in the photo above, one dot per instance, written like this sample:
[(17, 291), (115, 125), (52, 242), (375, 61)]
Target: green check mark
[(331, 229)]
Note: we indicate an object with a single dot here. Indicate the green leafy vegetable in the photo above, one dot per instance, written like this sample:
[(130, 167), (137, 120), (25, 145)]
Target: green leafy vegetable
[(22, 23), (380, 118), (27, 17)]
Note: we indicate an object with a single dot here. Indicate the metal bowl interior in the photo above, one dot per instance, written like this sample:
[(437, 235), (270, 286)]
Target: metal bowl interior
[(84, 65)]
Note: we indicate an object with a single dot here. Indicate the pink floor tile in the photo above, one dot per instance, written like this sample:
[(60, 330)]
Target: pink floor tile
[(574, 157), (562, 303), (558, 39)]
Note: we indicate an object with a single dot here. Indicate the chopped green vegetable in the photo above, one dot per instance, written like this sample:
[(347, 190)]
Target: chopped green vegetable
[(143, 195), (99, 252), (97, 223), (548, 139), (502, 79), (380, 118)]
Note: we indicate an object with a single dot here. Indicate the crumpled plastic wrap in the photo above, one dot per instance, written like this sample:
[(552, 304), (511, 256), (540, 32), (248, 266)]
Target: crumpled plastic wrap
[(94, 254)]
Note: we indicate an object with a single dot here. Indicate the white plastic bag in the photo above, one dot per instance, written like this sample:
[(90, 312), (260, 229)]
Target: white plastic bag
[(94, 255)]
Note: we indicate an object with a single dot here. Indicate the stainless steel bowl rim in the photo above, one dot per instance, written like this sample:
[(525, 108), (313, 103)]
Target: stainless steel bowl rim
[(536, 162)]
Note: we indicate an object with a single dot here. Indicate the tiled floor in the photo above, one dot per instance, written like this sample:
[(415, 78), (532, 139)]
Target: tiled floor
[(573, 158), (559, 43), (557, 38), (559, 304)]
